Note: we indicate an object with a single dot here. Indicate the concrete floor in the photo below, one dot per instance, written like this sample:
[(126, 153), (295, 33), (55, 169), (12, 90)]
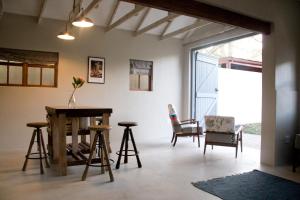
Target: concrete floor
[(167, 173)]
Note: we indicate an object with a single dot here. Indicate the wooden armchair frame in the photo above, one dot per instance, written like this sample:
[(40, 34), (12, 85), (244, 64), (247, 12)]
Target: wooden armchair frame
[(239, 138), (187, 134)]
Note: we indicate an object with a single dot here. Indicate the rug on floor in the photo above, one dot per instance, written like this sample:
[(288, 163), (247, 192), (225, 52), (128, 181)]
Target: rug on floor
[(254, 185)]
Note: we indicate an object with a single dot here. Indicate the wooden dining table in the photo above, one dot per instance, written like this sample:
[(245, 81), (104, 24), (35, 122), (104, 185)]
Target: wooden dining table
[(62, 154)]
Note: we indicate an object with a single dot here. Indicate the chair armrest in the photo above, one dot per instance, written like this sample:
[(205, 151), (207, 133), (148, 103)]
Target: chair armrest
[(239, 130), (189, 120)]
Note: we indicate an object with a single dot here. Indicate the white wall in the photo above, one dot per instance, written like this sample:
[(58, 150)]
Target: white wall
[(280, 83), (240, 95), (19, 105)]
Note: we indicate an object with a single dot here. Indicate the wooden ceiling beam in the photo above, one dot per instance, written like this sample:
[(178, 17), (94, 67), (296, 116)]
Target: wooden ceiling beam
[(189, 34), (42, 9), (113, 12), (76, 10), (197, 24), (75, 13), (135, 11), (202, 10), (166, 28), (142, 19), (89, 8), (170, 17)]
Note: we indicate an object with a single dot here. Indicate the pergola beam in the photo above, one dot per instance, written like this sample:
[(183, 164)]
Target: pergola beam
[(202, 10), (113, 12), (142, 19), (197, 24), (135, 11), (42, 9), (170, 17)]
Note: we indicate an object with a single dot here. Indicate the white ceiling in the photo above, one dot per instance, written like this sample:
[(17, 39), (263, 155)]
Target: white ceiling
[(60, 9)]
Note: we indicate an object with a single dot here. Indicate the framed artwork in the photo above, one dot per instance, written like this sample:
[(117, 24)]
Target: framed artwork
[(96, 70)]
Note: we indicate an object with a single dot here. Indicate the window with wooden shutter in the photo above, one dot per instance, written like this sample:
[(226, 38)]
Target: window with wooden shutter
[(141, 75), (28, 68)]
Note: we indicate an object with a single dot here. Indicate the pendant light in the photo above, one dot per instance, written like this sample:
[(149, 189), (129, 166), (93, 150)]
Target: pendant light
[(65, 35), (83, 22)]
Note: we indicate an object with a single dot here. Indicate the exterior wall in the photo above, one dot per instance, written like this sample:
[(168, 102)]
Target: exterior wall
[(240, 95), (280, 73), (20, 105)]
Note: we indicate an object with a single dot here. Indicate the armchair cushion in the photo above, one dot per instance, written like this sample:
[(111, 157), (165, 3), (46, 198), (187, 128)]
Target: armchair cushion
[(219, 124), (173, 115), (221, 138), (189, 128)]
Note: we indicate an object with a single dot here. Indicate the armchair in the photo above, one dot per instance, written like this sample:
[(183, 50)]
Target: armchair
[(183, 128), (221, 131)]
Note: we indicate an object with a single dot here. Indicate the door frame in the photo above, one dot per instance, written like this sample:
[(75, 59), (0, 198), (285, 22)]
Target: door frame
[(192, 68)]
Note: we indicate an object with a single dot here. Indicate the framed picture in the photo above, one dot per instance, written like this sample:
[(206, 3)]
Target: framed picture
[(96, 70)]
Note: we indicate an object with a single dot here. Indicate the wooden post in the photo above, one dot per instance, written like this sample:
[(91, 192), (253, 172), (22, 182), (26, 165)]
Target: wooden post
[(75, 129)]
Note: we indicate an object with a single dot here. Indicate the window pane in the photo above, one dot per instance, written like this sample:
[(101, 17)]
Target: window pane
[(15, 75), (3, 74), (144, 82), (48, 76), (34, 75), (134, 81)]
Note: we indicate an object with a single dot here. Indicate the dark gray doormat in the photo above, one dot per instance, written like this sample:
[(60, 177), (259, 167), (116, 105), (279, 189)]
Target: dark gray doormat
[(254, 185)]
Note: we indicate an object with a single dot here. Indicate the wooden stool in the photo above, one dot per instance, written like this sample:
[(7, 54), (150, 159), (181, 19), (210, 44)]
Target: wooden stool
[(102, 151), (37, 132), (125, 139)]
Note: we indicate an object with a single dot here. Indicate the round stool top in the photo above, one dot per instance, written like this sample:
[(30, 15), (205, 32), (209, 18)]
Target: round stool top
[(37, 124), (100, 127), (127, 124)]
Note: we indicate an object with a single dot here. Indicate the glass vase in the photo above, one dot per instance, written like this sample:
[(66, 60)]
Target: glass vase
[(72, 101)]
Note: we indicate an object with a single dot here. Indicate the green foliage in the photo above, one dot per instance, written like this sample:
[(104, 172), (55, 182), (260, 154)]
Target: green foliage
[(254, 128), (77, 82)]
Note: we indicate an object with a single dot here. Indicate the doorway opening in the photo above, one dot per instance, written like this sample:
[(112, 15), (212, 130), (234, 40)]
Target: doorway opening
[(227, 81)]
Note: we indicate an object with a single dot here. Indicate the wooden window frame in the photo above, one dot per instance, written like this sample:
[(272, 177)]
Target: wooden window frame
[(150, 81), (25, 74)]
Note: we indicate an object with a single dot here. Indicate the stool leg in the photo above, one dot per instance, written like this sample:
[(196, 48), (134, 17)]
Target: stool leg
[(135, 149), (126, 145), (120, 152), (101, 154), (89, 159), (40, 150), (29, 150), (44, 149), (106, 157)]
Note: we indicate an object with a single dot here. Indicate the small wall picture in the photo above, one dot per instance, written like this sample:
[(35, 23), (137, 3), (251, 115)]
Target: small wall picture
[(96, 70)]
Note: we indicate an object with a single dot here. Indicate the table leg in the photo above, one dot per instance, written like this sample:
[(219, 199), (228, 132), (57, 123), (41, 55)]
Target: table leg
[(75, 129), (92, 134), (62, 155), (105, 121)]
